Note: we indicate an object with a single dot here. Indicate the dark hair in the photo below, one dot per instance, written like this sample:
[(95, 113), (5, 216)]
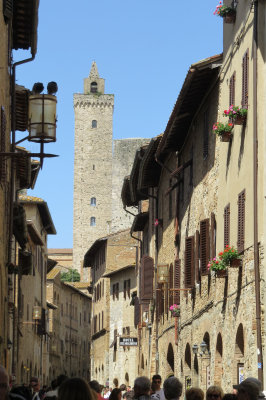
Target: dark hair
[(172, 388), (60, 379), (23, 391), (114, 394), (95, 386), (156, 377), (123, 387), (75, 389), (195, 393), (230, 396), (215, 390)]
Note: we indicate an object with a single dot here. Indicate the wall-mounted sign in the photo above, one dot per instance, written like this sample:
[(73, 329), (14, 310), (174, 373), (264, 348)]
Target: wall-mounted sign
[(128, 341)]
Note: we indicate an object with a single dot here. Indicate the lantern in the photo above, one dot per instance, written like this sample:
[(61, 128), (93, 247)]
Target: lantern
[(163, 273), (42, 118)]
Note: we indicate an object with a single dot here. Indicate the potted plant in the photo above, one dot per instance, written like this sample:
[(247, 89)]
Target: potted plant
[(224, 131), (175, 310), (227, 13), (218, 266), (230, 256), (236, 114)]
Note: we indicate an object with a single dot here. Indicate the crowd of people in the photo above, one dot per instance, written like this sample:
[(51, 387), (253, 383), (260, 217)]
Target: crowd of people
[(64, 388)]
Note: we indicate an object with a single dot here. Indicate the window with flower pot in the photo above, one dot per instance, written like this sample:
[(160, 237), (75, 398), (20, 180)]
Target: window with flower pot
[(245, 73)]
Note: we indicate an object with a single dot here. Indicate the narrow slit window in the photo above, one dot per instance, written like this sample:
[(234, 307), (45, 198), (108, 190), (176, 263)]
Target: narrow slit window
[(94, 87), (93, 201), (94, 123), (93, 221)]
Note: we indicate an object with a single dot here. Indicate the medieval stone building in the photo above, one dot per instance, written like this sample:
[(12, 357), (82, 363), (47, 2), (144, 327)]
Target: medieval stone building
[(99, 167)]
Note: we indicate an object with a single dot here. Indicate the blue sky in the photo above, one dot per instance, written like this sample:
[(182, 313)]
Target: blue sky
[(143, 49)]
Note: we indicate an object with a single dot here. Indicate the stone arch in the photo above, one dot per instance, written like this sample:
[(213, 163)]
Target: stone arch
[(171, 357), (239, 353), (126, 378), (206, 339), (94, 87), (187, 364), (218, 367), (142, 362)]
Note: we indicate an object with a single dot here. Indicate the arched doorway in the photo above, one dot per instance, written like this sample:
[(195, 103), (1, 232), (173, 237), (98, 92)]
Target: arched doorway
[(239, 354), (187, 367), (170, 359), (218, 369)]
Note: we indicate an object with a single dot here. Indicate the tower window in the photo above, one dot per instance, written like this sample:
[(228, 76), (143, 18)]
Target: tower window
[(93, 167), (94, 123), (93, 201), (94, 87), (93, 221)]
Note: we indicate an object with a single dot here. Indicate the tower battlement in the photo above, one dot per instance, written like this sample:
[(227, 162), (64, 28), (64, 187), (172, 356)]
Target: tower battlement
[(93, 100)]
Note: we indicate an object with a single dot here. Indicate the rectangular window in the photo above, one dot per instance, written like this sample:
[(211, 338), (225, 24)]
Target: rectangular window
[(117, 290), (232, 90), (245, 72), (227, 225), (125, 289), (114, 288), (241, 222), (177, 281), (189, 262)]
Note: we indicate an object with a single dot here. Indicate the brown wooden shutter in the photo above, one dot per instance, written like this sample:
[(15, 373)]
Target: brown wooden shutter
[(245, 80), (3, 168), (189, 262), (227, 225), (136, 312), (213, 237), (232, 90), (171, 284), (197, 256), (8, 9), (204, 246), (177, 279), (166, 298), (147, 278), (241, 222)]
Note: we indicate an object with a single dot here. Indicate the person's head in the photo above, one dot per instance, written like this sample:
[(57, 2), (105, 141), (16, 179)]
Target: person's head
[(230, 396), (156, 381), (142, 386), (214, 393), (75, 389), (21, 390), (60, 379), (129, 395), (3, 383), (35, 384), (95, 386), (172, 388), (248, 390), (123, 387), (116, 394), (54, 384), (253, 381), (194, 394)]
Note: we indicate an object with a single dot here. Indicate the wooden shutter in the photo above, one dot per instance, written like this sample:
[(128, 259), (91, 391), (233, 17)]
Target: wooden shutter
[(8, 9), (128, 288), (232, 90), (204, 246), (3, 169), (245, 80), (189, 262), (213, 237), (147, 269), (227, 225), (171, 284), (197, 256), (241, 222), (125, 289), (166, 298), (117, 290), (177, 276), (136, 312)]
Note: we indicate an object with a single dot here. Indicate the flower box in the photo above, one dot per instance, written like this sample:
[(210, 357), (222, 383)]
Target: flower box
[(240, 120), (235, 263), (230, 17), (226, 136), (175, 310), (221, 273), (236, 114)]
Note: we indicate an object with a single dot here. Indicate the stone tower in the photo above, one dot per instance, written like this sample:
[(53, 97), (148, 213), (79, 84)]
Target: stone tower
[(92, 165)]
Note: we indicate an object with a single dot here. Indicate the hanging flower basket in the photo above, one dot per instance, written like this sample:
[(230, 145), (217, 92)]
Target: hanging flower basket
[(218, 266), (226, 136), (175, 310), (240, 120), (221, 273), (235, 263), (230, 17), (237, 115)]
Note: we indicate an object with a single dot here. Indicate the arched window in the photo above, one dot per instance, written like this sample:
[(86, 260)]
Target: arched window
[(94, 123), (93, 201), (94, 87), (93, 221)]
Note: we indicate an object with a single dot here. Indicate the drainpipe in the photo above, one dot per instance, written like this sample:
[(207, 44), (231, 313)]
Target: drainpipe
[(15, 351), (255, 192)]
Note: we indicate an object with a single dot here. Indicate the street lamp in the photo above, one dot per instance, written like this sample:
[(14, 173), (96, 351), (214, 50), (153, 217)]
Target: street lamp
[(195, 348), (203, 347)]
